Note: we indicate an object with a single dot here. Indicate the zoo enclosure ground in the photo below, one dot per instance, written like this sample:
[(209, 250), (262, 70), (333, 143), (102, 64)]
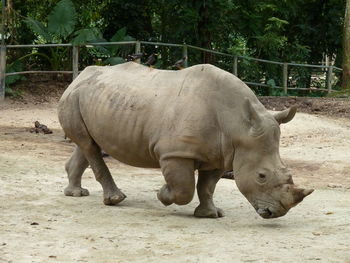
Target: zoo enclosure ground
[(39, 224)]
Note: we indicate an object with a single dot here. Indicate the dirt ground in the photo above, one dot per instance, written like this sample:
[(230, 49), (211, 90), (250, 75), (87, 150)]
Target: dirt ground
[(39, 224)]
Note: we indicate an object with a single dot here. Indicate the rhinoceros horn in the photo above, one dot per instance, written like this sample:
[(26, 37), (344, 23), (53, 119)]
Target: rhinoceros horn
[(300, 193)]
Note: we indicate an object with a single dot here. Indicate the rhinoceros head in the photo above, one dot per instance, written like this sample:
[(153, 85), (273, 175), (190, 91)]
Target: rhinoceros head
[(260, 173)]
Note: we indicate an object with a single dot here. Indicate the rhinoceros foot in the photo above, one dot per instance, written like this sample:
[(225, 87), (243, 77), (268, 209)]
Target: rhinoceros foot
[(209, 212), (76, 191), (165, 196), (114, 198)]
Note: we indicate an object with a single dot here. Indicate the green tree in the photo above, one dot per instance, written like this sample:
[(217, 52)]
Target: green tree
[(134, 15), (60, 28), (288, 30)]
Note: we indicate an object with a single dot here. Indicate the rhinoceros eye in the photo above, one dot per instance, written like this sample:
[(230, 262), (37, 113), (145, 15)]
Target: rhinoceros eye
[(261, 178)]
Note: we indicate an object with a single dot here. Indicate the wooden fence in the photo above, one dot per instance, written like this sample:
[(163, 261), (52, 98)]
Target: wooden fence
[(75, 63)]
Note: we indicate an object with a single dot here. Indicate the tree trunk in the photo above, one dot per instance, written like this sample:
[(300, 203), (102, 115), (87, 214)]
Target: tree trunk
[(204, 33), (346, 48)]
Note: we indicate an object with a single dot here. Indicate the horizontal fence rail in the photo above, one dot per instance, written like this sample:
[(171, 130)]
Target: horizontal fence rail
[(40, 72), (236, 58)]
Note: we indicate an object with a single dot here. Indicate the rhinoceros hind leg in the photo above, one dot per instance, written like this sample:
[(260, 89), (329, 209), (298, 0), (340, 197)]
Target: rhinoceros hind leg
[(180, 181), (205, 188), (75, 167), (112, 195), (87, 152), (114, 198)]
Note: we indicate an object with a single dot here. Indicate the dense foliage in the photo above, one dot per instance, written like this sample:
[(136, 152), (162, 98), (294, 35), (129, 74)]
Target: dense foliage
[(283, 30)]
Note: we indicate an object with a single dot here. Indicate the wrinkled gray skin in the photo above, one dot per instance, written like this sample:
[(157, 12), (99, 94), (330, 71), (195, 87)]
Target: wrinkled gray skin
[(200, 118)]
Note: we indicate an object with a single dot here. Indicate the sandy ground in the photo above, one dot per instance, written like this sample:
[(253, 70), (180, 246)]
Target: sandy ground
[(39, 224)]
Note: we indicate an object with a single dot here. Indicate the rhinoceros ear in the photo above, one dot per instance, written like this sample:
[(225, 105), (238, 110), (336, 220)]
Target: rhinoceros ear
[(286, 115), (252, 114)]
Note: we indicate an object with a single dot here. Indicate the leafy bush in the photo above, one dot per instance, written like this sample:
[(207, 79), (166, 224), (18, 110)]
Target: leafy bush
[(113, 54), (10, 80), (61, 28)]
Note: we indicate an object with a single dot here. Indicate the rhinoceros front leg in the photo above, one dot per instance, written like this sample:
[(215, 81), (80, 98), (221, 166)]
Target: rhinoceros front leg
[(180, 181), (75, 167), (205, 189)]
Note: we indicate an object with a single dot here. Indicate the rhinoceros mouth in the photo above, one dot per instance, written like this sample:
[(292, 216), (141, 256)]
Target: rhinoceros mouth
[(268, 213), (268, 209), (265, 212)]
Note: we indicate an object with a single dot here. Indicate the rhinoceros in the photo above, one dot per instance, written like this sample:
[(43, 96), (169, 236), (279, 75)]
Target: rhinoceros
[(200, 118)]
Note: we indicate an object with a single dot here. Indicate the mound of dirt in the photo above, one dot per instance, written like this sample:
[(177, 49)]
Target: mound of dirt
[(41, 88), (333, 107)]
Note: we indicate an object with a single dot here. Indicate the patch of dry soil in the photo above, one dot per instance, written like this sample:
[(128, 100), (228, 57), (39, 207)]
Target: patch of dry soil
[(332, 107), (39, 224)]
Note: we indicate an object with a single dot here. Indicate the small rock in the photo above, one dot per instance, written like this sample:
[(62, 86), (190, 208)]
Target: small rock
[(316, 233), (307, 103), (329, 213), (34, 224), (38, 127)]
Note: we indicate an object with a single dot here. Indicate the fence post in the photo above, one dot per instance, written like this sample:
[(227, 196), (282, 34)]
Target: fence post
[(235, 66), (2, 72), (75, 61), (329, 78), (185, 54), (2, 53), (138, 50), (285, 78)]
